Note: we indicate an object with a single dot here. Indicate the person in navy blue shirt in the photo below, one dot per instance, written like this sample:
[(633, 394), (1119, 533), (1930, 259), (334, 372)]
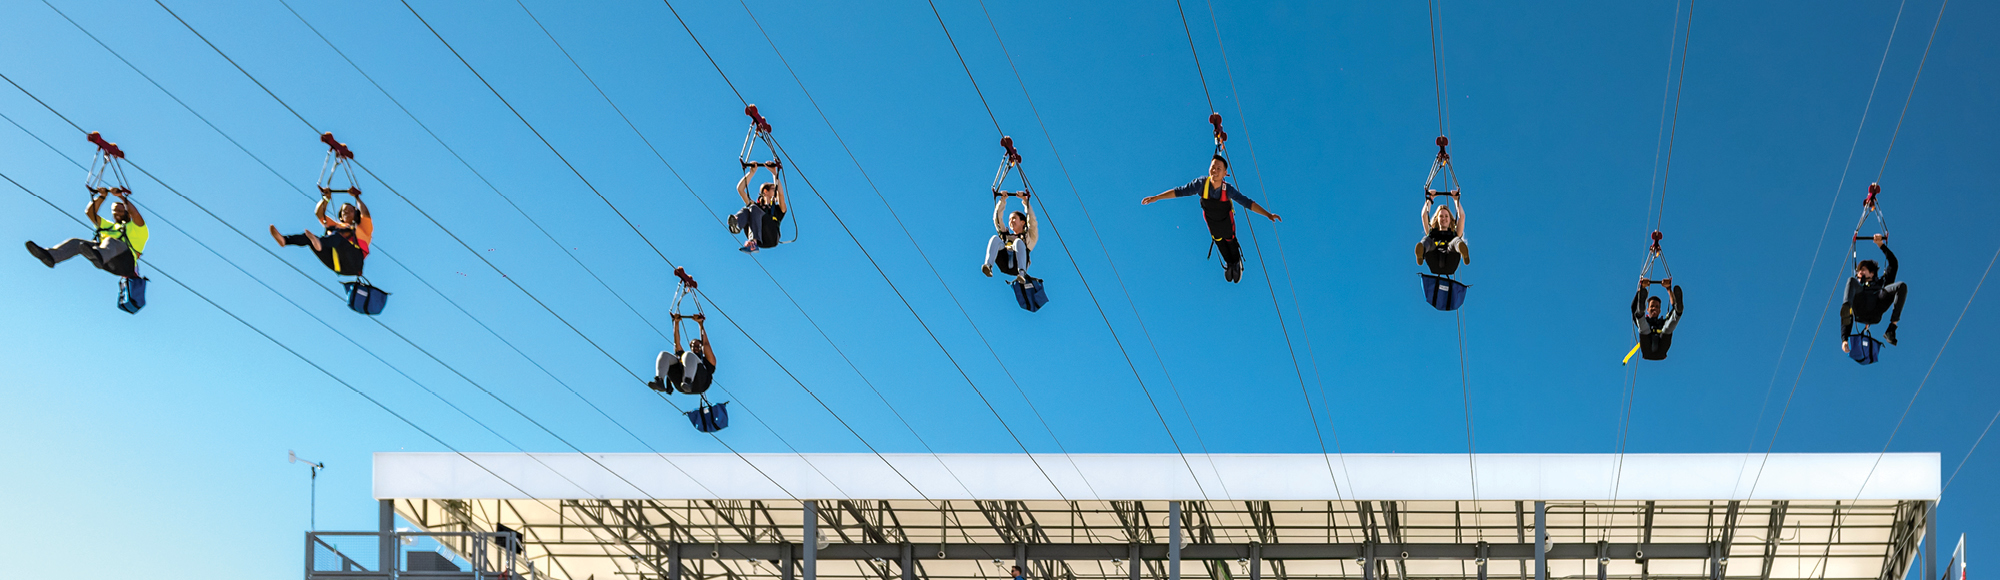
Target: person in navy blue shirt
[(1216, 193)]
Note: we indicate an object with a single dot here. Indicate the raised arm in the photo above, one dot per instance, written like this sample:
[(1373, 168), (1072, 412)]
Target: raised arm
[(1000, 214), (743, 187), (319, 211), (1461, 223), (90, 211), (1424, 215), (1889, 271), (707, 348), (132, 209), (1033, 233), (361, 205), (778, 189), (1639, 303)]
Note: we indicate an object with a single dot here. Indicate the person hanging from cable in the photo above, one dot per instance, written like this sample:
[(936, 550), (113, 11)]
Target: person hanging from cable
[(343, 246), (1869, 295), (687, 369), (119, 241), (760, 218), (1656, 332), (1015, 234), (1443, 247), (1216, 194)]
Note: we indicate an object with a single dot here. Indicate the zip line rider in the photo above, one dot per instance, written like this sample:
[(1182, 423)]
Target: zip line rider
[(1656, 332), (1013, 242), (760, 217), (691, 369), (345, 242), (1869, 295), (1216, 193), (119, 241), (1443, 247), (344, 245)]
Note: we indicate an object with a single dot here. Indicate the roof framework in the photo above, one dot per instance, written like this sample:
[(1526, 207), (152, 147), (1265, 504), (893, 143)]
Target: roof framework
[(906, 537)]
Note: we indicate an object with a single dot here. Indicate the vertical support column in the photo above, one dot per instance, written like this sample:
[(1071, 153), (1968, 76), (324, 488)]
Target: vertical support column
[(1603, 558), (1256, 561), (1930, 540), (785, 561), (812, 540), (674, 561), (1368, 561), (1021, 558), (1133, 564), (909, 571), (1484, 550), (385, 518), (1174, 540), (1541, 540), (1715, 559)]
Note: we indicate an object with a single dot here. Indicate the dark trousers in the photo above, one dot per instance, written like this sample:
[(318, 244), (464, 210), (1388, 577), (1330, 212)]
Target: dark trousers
[(335, 250), (1869, 305)]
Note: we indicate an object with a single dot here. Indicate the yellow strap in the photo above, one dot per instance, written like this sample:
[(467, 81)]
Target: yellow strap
[(336, 259), (1628, 356)]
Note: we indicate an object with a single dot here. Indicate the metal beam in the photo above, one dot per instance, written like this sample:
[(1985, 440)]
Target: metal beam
[(811, 543), (1173, 540), (1541, 540)]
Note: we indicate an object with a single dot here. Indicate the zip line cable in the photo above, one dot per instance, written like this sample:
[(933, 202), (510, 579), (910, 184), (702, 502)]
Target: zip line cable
[(1629, 401), (461, 242), (545, 232), (1885, 164), (649, 243), (1435, 17), (907, 305), (1061, 242), (378, 322), (656, 250), (1250, 142), (1813, 266), (302, 358)]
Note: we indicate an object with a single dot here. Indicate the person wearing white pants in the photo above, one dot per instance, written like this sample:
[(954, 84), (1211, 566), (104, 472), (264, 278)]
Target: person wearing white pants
[(1014, 239)]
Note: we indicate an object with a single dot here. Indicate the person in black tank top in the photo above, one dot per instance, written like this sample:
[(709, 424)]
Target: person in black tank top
[(1443, 247), (760, 218), (1216, 194)]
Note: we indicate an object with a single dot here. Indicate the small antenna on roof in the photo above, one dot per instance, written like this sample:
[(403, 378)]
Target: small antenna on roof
[(293, 457)]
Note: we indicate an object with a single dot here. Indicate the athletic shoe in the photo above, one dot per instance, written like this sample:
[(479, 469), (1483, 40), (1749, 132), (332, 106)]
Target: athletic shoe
[(734, 228), (42, 254), (987, 270), (1889, 334), (656, 385), (749, 246)]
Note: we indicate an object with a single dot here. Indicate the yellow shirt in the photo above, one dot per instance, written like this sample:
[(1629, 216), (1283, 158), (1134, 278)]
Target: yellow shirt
[(134, 235)]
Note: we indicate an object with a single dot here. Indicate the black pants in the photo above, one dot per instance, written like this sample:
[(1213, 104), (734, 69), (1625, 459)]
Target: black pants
[(1654, 346), (1869, 305), (335, 250)]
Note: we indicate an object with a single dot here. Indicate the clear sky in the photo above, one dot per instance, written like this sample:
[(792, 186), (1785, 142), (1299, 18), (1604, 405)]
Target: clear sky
[(173, 424)]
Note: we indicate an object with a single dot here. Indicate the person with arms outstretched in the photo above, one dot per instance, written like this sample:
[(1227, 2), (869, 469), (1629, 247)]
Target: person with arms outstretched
[(1869, 295), (1216, 193), (119, 241)]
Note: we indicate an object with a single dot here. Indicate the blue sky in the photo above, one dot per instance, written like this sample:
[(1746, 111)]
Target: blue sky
[(179, 418)]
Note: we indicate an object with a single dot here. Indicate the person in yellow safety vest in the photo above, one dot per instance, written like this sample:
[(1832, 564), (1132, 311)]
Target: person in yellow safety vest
[(118, 244)]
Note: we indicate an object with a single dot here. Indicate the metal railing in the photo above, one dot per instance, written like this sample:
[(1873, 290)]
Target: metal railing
[(416, 555)]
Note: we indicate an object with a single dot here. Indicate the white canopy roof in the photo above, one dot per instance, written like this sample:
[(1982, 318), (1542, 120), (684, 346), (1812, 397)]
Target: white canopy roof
[(1239, 477)]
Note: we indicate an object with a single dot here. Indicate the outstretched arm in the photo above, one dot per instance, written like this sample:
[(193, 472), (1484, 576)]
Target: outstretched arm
[(1192, 188)]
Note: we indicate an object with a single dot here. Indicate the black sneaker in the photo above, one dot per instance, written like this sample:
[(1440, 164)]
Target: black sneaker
[(42, 254), (656, 385), (1889, 334), (1232, 272)]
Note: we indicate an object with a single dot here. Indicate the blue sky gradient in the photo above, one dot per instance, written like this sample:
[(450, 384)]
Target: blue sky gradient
[(179, 418)]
